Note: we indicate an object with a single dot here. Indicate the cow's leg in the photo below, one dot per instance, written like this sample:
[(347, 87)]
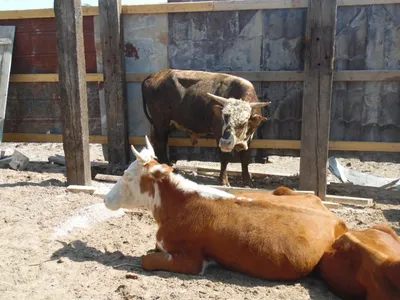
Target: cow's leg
[(161, 143), (223, 175), (185, 263), (245, 160), (216, 128)]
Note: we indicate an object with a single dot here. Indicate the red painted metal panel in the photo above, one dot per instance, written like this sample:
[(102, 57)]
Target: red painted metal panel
[(35, 49)]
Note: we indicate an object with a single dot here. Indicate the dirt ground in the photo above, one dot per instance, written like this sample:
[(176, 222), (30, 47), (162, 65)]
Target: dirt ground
[(60, 245)]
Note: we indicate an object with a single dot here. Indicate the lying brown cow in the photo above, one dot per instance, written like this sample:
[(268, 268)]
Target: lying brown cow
[(364, 264), (201, 103), (263, 235)]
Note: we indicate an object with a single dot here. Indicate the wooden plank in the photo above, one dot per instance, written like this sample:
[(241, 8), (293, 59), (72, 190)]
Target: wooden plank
[(73, 91), (356, 201), (32, 138), (272, 76), (331, 205), (7, 34), (114, 81), (20, 78), (202, 170), (258, 4), (208, 143), (41, 13), (319, 56), (204, 6), (162, 8), (364, 146), (81, 189), (106, 177)]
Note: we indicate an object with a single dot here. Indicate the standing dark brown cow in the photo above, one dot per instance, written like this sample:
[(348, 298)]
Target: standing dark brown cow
[(201, 103)]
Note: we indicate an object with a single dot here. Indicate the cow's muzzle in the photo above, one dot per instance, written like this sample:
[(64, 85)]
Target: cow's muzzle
[(241, 146), (227, 141)]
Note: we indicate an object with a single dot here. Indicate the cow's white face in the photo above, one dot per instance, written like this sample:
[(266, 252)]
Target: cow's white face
[(239, 124), (235, 115), (128, 191)]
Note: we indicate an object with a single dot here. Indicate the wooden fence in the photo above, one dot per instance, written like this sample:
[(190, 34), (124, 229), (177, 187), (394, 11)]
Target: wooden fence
[(318, 74)]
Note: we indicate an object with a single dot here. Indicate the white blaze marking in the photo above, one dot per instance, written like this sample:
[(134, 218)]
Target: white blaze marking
[(189, 186)]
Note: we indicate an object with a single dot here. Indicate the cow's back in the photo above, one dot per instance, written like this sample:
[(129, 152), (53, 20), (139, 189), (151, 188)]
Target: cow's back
[(266, 238), (181, 95), (364, 264)]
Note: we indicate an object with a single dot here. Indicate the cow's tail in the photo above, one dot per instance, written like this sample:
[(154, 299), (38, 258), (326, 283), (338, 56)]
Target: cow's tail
[(144, 102), (146, 112)]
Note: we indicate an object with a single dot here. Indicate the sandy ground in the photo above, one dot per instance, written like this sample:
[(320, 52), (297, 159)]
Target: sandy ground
[(60, 245)]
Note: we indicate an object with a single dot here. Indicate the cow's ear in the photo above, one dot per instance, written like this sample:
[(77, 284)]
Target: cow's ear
[(217, 109), (159, 172), (255, 120), (258, 118)]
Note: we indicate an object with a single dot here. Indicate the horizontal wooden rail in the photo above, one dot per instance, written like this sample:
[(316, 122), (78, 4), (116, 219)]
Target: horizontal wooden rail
[(209, 143), (373, 76), (252, 76), (181, 7), (42, 13), (19, 78)]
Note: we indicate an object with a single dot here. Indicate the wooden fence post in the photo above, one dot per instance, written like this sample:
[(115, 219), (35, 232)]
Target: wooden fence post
[(319, 56), (73, 94), (114, 82)]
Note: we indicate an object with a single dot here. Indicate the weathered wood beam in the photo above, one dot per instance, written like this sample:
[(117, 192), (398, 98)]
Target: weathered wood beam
[(73, 94), (319, 56), (114, 81)]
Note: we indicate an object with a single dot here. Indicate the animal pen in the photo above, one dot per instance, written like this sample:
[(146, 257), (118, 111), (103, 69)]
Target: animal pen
[(330, 67)]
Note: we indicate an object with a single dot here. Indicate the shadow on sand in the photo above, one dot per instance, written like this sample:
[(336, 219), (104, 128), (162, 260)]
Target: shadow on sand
[(78, 251)]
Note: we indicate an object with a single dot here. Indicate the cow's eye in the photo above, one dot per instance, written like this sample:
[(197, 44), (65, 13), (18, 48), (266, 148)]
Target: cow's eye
[(226, 118)]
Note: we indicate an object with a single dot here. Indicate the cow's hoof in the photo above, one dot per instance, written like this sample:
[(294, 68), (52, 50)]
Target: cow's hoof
[(248, 183), (225, 183)]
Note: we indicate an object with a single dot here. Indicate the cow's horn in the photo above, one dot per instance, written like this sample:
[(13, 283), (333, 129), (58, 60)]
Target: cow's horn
[(149, 146), (137, 154), (219, 99), (259, 104)]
